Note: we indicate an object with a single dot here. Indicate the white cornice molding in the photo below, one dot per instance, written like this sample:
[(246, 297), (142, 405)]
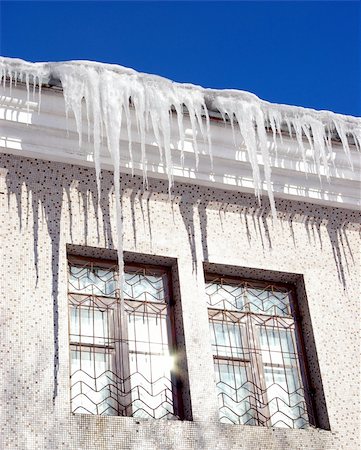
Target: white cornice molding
[(44, 135)]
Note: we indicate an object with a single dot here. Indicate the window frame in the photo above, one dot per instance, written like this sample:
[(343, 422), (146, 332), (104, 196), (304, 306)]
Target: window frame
[(257, 366), (121, 365)]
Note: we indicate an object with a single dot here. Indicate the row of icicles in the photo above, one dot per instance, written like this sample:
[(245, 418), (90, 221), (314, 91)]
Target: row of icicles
[(110, 96)]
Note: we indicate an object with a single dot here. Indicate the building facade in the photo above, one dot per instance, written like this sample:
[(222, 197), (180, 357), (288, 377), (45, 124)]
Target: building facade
[(242, 328)]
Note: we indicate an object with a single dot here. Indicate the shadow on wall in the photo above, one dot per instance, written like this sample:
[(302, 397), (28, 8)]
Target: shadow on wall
[(257, 221), (41, 187)]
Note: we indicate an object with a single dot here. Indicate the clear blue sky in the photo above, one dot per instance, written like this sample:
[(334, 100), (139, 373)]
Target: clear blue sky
[(301, 53)]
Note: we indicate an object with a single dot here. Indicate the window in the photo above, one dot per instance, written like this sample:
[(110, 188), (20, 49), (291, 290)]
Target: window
[(121, 362), (259, 369)]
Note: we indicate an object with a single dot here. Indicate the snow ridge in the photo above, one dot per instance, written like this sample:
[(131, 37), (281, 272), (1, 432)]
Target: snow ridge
[(110, 93)]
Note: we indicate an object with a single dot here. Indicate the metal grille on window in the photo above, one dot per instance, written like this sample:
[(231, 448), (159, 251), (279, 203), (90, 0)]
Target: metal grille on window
[(258, 365), (121, 367)]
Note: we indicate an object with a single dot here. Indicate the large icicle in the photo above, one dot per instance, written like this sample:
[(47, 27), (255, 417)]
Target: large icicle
[(114, 98)]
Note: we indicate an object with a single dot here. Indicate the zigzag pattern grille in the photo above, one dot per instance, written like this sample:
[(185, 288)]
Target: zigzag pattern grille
[(121, 366), (257, 361), (118, 401)]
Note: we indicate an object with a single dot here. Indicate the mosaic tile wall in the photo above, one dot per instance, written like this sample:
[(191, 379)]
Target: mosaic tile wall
[(47, 209)]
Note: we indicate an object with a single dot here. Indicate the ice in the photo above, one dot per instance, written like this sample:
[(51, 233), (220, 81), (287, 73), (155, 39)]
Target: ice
[(112, 96)]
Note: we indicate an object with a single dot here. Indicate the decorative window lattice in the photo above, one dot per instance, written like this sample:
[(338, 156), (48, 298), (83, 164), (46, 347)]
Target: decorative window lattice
[(121, 363), (259, 370)]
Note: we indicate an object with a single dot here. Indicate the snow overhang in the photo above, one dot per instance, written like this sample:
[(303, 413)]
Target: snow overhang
[(288, 155)]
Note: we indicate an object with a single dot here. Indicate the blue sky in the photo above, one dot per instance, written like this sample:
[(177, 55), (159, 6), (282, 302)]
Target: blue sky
[(301, 53)]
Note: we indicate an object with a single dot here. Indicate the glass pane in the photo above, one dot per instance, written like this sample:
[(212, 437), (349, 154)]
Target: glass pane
[(224, 296), (147, 333), (138, 286), (151, 387), (285, 396), (227, 339), (93, 388), (92, 281), (90, 325), (274, 303), (234, 394), (277, 346)]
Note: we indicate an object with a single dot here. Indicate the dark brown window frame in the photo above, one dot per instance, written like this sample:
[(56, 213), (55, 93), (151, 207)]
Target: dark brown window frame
[(168, 312), (211, 277)]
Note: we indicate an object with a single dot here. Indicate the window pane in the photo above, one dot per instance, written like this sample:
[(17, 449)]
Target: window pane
[(277, 346), (227, 339), (234, 394), (147, 333), (93, 388), (285, 396), (150, 366), (138, 286), (92, 281), (244, 297), (270, 302), (224, 296), (151, 387), (90, 325)]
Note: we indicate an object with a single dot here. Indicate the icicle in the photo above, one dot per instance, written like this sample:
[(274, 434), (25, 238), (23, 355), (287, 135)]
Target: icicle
[(126, 106), (179, 110), (73, 96), (34, 87), (139, 106), (10, 82), (106, 92), (262, 138), (192, 119), (298, 130), (208, 134), (318, 134), (39, 93), (342, 135), (3, 78), (27, 95), (94, 98)]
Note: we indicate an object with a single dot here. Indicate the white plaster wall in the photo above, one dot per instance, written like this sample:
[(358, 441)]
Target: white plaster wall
[(46, 206)]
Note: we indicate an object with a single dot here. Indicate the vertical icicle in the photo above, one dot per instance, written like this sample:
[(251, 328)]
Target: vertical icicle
[(318, 134), (165, 121), (126, 105), (342, 135), (139, 107), (244, 117), (262, 139), (188, 104), (3, 78), (10, 82), (179, 110), (208, 132), (298, 130), (27, 76), (93, 91), (39, 93), (108, 111), (106, 92), (34, 87)]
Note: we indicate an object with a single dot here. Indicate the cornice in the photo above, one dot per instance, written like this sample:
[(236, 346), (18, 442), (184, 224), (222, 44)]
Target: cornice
[(48, 135)]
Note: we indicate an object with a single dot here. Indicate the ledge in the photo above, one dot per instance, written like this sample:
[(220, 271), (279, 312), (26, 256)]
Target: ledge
[(46, 135)]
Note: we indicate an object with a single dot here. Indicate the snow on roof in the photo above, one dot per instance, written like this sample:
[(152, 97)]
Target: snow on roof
[(108, 93)]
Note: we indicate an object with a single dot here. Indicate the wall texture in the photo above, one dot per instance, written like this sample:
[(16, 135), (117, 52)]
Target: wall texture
[(47, 208)]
